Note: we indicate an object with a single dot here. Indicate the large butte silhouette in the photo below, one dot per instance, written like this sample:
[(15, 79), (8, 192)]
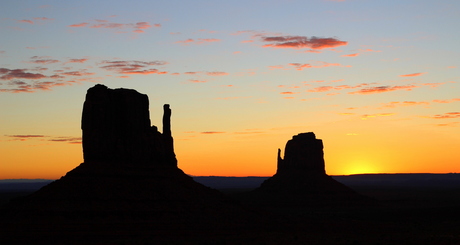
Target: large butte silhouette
[(301, 180), (129, 183)]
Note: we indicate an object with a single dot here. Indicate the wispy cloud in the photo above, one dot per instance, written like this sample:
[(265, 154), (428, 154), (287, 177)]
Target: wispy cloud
[(198, 41), (77, 61), (9, 74), (383, 89), (37, 60), (208, 73), (301, 66), (197, 81), (217, 73), (446, 101), (26, 137), (413, 74), (40, 78), (368, 116), (26, 21), (133, 67), (83, 24), (447, 115), (65, 139), (350, 55), (138, 27), (301, 42), (394, 104), (212, 132), (338, 87)]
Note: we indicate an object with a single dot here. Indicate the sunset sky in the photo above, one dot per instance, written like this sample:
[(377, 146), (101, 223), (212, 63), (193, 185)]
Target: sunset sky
[(377, 81)]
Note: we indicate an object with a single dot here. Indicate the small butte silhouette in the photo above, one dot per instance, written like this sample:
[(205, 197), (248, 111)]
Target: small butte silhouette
[(301, 180), (129, 184)]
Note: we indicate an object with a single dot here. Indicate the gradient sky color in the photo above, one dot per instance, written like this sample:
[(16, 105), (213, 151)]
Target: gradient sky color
[(378, 81)]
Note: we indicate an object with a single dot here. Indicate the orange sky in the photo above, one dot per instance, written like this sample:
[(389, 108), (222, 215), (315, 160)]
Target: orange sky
[(377, 83)]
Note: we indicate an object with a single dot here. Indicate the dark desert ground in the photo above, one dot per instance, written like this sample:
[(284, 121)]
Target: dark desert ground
[(129, 190), (411, 209)]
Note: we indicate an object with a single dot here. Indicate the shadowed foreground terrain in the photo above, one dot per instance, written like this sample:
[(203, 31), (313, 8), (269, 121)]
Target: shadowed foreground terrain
[(414, 209), (129, 190)]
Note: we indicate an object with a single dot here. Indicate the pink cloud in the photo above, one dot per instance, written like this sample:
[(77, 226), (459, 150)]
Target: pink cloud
[(217, 73), (321, 89), (276, 67), (394, 104), (288, 92), (186, 41), (350, 55), (446, 101), (77, 60), (80, 24), (413, 74), (26, 21), (447, 115), (312, 51), (299, 42), (197, 81)]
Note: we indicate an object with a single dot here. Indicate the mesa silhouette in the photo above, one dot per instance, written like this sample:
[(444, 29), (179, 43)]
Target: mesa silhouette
[(129, 182), (301, 179)]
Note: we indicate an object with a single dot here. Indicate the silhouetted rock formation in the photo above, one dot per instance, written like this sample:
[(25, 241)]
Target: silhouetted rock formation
[(301, 179), (128, 183), (116, 128), (302, 153)]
